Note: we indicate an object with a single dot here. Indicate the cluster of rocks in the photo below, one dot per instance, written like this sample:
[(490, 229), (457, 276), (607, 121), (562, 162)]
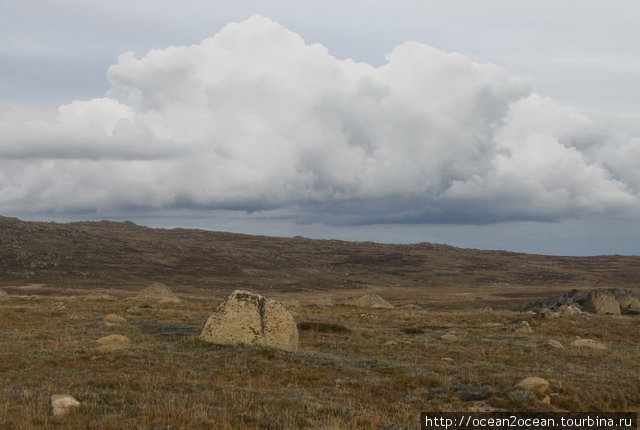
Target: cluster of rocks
[(601, 301)]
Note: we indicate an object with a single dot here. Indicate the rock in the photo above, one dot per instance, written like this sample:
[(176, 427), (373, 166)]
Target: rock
[(370, 316), (520, 396), (601, 302), (411, 306), (251, 319), (448, 359), (373, 301), (587, 343), (3, 293), (114, 318), (113, 339), (570, 311), (324, 301), (518, 327), (535, 385), (546, 400), (552, 344), (111, 324), (60, 404), (487, 309), (111, 347), (449, 337), (157, 292), (628, 302)]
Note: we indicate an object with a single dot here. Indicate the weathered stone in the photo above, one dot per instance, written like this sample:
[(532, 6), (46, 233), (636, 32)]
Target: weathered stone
[(373, 301), (411, 306), (628, 302), (601, 302), (157, 292), (113, 339), (535, 385), (552, 344), (114, 318), (587, 343), (251, 319), (60, 404), (111, 347), (518, 327), (570, 311)]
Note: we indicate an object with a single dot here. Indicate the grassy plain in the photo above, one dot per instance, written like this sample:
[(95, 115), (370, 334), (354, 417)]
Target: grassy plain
[(356, 368)]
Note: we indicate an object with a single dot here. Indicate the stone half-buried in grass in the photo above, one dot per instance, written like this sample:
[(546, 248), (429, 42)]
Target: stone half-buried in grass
[(251, 319)]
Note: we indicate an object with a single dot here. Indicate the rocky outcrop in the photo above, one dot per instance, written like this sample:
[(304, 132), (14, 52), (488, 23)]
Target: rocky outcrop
[(600, 301), (251, 319)]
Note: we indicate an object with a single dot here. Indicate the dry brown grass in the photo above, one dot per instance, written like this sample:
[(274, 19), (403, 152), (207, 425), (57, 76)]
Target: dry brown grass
[(167, 378)]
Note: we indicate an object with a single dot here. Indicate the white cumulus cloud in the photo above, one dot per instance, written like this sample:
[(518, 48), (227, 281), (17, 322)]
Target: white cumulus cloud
[(253, 118)]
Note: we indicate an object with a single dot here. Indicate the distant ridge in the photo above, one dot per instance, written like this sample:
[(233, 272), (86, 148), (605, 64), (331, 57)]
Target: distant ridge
[(109, 254)]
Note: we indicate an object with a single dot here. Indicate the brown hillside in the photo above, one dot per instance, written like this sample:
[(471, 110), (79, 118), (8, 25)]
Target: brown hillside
[(97, 255)]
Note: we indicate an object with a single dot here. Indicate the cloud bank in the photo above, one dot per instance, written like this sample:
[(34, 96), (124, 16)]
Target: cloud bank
[(254, 119)]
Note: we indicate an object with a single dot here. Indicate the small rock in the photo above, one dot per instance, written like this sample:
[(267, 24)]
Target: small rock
[(373, 301), (158, 292), (411, 306), (113, 339), (588, 343), (449, 337), (487, 309), (370, 316), (552, 344), (628, 302), (114, 318), (3, 293), (535, 385), (111, 324), (518, 327), (60, 404), (448, 359), (546, 400), (111, 347), (570, 311)]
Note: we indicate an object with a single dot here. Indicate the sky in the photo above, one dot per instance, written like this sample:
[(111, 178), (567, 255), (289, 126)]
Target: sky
[(495, 125)]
